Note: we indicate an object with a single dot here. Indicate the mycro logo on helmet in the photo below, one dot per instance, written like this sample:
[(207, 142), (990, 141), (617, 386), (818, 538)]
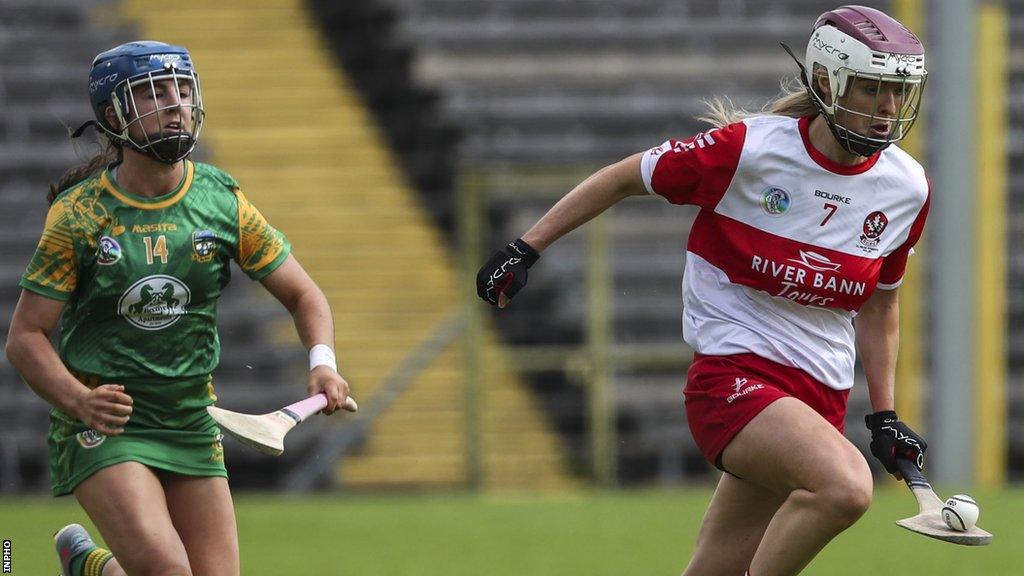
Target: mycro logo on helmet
[(95, 84), (829, 49), (164, 58), (905, 58)]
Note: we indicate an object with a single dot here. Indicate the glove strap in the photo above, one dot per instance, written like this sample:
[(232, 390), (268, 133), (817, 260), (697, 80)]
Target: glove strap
[(873, 420), (524, 251)]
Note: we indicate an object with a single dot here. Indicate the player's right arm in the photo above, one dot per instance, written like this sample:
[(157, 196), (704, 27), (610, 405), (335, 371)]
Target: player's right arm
[(105, 408), (695, 171), (505, 272), (599, 192)]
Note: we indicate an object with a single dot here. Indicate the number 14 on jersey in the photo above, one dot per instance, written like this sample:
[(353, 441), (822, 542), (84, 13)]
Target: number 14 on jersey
[(158, 249)]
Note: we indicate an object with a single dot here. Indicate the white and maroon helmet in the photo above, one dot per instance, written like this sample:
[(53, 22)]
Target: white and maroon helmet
[(856, 42)]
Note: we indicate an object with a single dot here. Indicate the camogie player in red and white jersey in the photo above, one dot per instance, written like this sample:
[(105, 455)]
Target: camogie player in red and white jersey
[(808, 213)]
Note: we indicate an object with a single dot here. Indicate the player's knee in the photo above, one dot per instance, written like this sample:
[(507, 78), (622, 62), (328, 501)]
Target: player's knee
[(165, 568), (849, 495)]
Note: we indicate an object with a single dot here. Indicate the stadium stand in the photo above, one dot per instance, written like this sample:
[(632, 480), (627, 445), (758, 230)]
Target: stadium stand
[(360, 34)]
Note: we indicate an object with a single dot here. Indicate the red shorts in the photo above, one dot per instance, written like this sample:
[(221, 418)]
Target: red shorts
[(724, 393)]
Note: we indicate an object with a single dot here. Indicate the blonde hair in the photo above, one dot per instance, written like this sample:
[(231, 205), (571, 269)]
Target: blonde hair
[(793, 101)]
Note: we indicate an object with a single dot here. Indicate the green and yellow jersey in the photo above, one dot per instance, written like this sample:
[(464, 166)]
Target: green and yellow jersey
[(141, 278)]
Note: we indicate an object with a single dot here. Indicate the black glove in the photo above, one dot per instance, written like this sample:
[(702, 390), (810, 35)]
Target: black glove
[(892, 439), (505, 272)]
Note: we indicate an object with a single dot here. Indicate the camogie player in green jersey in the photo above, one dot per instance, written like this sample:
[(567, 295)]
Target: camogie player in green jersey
[(133, 257)]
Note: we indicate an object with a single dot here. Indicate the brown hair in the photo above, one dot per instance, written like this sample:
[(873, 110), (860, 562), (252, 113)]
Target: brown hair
[(793, 101), (80, 172)]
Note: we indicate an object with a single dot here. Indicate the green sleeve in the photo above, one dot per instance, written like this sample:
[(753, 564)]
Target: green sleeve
[(53, 269)]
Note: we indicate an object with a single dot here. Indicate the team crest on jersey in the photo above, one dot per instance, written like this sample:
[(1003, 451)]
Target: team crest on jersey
[(204, 246), (775, 201), (874, 225), (155, 302), (90, 438), (108, 252)]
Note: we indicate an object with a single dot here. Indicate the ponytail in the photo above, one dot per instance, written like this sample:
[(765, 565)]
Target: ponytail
[(793, 101), (75, 174)]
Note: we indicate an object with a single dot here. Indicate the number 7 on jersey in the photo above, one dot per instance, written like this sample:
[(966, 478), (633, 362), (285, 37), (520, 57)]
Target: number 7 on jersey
[(831, 211)]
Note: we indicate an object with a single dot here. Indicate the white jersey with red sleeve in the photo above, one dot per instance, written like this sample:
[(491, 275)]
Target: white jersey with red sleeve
[(787, 245)]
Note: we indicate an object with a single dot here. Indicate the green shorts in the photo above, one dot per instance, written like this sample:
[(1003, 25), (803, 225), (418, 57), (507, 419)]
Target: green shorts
[(176, 436)]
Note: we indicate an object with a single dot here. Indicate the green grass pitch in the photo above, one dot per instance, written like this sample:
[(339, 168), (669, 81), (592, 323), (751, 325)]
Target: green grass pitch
[(592, 533)]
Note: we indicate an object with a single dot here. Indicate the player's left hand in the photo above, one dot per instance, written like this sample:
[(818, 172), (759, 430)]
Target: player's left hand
[(892, 439), (327, 380)]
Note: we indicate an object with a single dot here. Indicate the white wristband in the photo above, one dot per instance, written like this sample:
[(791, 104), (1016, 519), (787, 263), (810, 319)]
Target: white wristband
[(322, 355)]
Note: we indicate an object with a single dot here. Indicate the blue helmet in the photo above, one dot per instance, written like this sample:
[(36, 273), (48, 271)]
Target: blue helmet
[(134, 69)]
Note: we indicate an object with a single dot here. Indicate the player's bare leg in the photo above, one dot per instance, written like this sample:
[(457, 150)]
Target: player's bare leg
[(732, 528), (126, 502), (203, 513), (790, 449)]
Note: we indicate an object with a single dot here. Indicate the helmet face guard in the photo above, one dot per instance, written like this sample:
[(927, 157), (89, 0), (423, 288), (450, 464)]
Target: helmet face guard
[(167, 147), (908, 92), (854, 45), (148, 83)]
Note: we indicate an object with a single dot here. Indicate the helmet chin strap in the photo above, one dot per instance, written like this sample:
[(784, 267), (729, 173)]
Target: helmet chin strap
[(167, 149), (852, 142)]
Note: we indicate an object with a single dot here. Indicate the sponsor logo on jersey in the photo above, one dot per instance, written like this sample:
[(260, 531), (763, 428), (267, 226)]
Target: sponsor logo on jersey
[(775, 201), (204, 246), (108, 252), (816, 261), (832, 197), (874, 225), (90, 438), (740, 389), (155, 302), (810, 280), (158, 227)]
